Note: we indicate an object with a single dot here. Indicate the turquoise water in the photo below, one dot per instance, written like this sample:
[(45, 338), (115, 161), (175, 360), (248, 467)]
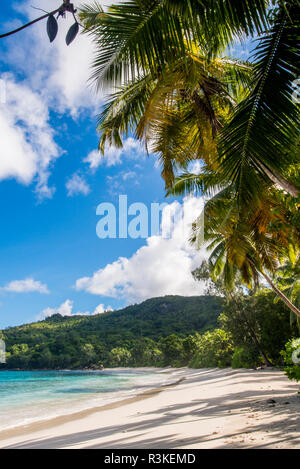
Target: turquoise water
[(28, 396)]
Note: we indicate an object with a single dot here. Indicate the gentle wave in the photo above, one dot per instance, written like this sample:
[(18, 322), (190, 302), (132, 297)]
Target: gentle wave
[(27, 397)]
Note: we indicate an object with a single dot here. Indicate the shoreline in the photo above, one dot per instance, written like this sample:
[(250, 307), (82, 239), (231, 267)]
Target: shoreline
[(51, 422), (138, 368), (204, 408)]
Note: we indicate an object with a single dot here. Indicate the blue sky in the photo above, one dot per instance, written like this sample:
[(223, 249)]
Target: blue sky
[(52, 180)]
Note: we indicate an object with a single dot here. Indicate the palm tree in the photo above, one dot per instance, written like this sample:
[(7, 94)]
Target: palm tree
[(178, 113), (248, 242), (288, 280), (173, 90), (139, 36), (266, 123), (142, 37)]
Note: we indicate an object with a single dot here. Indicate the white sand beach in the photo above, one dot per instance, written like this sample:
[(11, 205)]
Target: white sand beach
[(207, 408)]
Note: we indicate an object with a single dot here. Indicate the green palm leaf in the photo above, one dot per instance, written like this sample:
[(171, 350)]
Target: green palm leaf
[(266, 123), (138, 36)]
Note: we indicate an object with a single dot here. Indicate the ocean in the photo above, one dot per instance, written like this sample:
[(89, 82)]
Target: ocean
[(29, 396)]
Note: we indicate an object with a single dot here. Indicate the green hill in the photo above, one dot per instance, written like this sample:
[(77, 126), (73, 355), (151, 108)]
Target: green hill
[(135, 335)]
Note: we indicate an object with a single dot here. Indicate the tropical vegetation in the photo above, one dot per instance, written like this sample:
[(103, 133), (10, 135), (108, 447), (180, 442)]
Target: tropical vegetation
[(176, 88), (173, 84), (246, 331), (123, 337), (291, 356)]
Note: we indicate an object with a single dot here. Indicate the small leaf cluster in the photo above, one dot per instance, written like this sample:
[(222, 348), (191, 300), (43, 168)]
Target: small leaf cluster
[(52, 24)]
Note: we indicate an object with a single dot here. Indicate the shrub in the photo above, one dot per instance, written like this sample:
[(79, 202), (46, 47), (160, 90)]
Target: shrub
[(214, 349), (245, 358), (291, 356), (120, 356)]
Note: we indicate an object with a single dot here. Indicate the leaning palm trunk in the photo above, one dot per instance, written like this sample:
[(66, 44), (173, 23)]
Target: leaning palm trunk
[(251, 332), (280, 181), (278, 292), (281, 295), (255, 340), (266, 123)]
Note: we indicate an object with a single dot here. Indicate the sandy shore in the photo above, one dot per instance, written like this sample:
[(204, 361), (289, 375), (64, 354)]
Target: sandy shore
[(206, 408)]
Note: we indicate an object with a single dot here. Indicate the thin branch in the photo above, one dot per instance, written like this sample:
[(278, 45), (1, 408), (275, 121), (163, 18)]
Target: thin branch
[(76, 20), (39, 9), (31, 22)]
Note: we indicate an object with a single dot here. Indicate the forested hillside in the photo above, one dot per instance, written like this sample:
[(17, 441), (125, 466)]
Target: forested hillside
[(136, 335)]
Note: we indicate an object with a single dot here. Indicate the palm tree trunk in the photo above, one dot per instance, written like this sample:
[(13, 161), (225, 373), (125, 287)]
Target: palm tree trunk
[(278, 292), (251, 332), (280, 181), (281, 295), (255, 339)]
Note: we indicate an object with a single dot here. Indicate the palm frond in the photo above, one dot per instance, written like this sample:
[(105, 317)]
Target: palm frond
[(253, 144), (123, 112), (147, 35), (205, 183)]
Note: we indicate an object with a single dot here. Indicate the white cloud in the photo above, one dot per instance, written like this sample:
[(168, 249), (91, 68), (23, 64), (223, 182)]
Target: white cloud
[(195, 167), (56, 78), (62, 72), (100, 309), (161, 267), (77, 185), (128, 175), (132, 149), (66, 309), (94, 159), (25, 286), (27, 140), (117, 183)]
